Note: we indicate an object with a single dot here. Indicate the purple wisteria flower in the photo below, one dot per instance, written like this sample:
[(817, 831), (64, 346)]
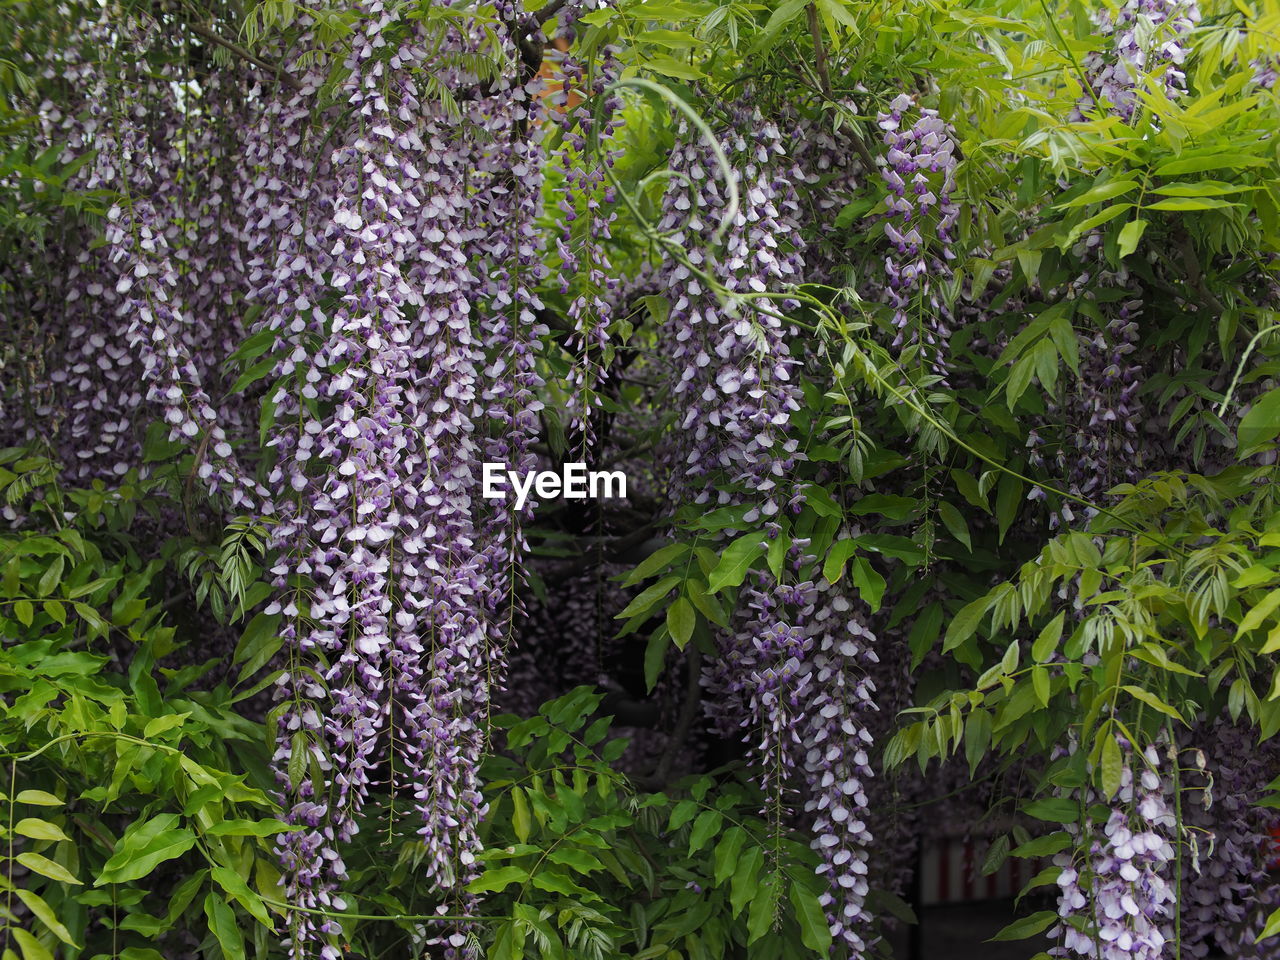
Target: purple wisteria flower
[(1117, 902), (918, 167), (1146, 37)]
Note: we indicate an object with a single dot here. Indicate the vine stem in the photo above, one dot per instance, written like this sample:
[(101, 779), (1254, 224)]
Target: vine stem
[(1248, 351), (730, 177), (206, 33)]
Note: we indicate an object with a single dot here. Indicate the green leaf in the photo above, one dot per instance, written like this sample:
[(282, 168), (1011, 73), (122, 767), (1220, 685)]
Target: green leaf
[(648, 598), (669, 66), (222, 924), (1053, 809), (885, 505), (784, 14), (47, 868), (1008, 500), (821, 502), (1260, 611), (658, 560), (955, 523), (977, 737), (576, 859), (239, 891), (776, 555), (250, 828), (837, 557), (159, 725), (1112, 767), (521, 822), (1103, 191), (704, 828), (908, 551), (254, 373), (144, 846), (726, 854), (655, 657), (258, 644), (1271, 928), (965, 623), (1184, 204), (814, 932), (1019, 379), (764, 908), (1130, 234), (493, 881), (1151, 700), (682, 813), (924, 632), (997, 854), (1097, 220), (680, 621), (1047, 642), (1027, 926), (709, 607), (39, 829), (869, 583), (51, 577), (744, 879), (553, 881), (32, 949), (44, 913), (39, 798), (1214, 161), (1041, 681), (1045, 846), (1198, 188), (735, 562)]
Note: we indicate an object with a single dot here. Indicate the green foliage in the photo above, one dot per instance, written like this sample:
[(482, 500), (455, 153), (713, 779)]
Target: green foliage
[(582, 865), (120, 813)]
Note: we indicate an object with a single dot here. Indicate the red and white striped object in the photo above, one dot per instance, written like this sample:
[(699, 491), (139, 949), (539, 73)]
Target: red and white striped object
[(951, 872)]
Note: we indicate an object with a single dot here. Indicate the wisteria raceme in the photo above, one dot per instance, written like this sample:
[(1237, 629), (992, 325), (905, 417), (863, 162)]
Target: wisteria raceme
[(387, 573), (1146, 38), (791, 669), (737, 404), (138, 314), (1120, 889), (837, 765), (285, 271), (1265, 71), (1101, 446), (1227, 893), (918, 166), (736, 377)]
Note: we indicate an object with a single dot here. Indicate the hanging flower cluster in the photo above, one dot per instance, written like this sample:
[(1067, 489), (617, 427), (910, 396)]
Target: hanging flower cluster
[(1121, 897), (918, 166), (1102, 446), (1226, 891), (1146, 37), (790, 672), (141, 317), (1265, 71), (416, 363), (837, 763), (735, 375), (392, 251)]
